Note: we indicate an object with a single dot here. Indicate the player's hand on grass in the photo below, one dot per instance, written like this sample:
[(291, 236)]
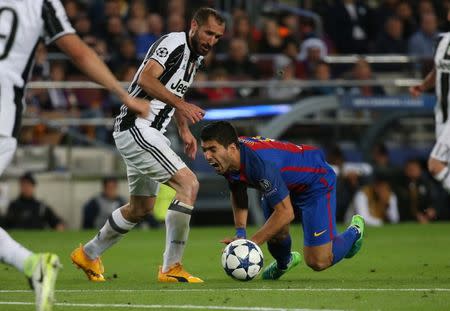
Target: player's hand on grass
[(416, 90), (191, 112)]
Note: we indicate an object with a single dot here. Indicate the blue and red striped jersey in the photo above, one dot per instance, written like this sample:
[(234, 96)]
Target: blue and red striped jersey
[(279, 169)]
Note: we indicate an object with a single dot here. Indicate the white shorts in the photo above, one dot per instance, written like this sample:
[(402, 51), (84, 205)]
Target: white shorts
[(441, 150), (8, 146), (148, 157)]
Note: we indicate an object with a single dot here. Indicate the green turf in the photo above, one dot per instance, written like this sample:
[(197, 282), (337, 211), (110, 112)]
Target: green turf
[(393, 257)]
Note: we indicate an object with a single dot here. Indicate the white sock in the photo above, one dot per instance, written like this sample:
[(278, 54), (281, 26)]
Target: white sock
[(177, 232), (444, 178), (11, 252), (113, 230)]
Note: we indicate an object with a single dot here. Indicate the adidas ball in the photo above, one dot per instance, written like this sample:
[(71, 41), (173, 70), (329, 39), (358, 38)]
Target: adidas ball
[(242, 260)]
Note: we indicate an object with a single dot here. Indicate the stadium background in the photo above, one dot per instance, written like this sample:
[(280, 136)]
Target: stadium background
[(303, 71)]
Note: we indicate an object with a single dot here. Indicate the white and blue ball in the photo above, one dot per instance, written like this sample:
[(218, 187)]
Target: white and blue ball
[(242, 260)]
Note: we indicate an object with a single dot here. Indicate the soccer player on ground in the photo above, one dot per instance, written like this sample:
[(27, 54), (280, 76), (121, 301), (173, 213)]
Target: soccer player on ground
[(162, 79), (21, 27), (439, 77), (288, 176)]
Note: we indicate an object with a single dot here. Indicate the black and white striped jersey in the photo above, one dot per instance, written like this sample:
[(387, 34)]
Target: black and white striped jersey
[(22, 24), (442, 64), (180, 65)]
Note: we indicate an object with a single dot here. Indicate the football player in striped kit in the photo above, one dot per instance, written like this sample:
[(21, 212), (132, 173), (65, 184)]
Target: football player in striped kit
[(439, 77), (22, 24), (162, 80)]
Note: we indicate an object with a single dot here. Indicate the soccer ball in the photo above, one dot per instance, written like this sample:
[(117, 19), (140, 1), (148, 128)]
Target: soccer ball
[(242, 260)]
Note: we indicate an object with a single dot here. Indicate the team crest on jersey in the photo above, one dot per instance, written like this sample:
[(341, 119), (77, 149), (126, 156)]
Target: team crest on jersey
[(162, 52), (265, 185)]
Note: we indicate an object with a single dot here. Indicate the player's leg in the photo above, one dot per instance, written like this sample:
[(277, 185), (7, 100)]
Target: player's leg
[(8, 147), (280, 248), (40, 269), (440, 156), (177, 227), (323, 246), (143, 192), (165, 166)]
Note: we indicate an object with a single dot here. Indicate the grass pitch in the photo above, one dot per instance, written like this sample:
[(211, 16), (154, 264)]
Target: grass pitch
[(400, 267)]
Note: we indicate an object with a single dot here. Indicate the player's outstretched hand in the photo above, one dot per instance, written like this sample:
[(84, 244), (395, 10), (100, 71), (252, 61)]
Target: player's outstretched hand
[(140, 106), (191, 112), (416, 90)]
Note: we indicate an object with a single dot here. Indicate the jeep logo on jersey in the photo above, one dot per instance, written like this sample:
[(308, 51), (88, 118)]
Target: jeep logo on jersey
[(179, 87), (162, 52), (265, 185)]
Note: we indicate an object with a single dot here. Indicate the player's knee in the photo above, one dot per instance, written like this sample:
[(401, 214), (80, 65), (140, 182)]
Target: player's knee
[(190, 188), (319, 264)]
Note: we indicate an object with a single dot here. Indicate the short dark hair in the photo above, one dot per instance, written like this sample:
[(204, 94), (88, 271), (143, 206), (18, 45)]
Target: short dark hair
[(222, 132), (201, 16), (28, 177), (106, 180)]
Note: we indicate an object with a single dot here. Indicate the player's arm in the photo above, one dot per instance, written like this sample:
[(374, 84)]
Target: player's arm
[(89, 63), (239, 204), (190, 142), (149, 82), (427, 83), (282, 215)]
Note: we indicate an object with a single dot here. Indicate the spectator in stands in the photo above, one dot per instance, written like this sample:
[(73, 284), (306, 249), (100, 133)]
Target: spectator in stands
[(239, 66), (362, 71), (72, 9), (176, 23), (285, 72), (404, 11), (383, 12), (218, 94), (307, 28), (243, 29), (126, 54), (291, 49), (414, 194), (312, 51), (83, 25), (27, 212), (155, 24), (425, 7), (61, 100), (422, 42), (376, 203), (380, 160), (177, 7), (272, 42), (97, 210), (346, 184), (391, 40), (347, 23), (137, 9), (115, 31), (322, 72)]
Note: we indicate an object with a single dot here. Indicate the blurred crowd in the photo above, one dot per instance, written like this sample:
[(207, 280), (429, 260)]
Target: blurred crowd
[(385, 193), (278, 44)]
